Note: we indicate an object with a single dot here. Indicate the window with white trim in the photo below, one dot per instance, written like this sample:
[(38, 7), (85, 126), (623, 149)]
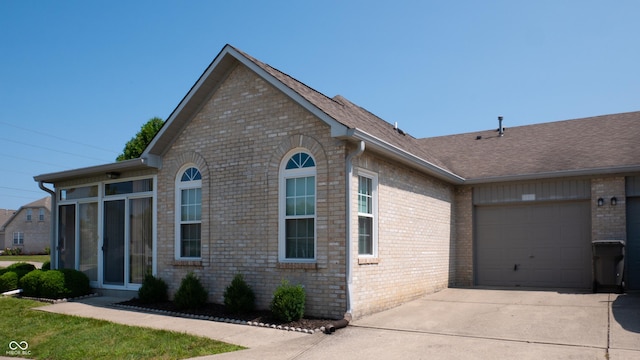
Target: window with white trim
[(29, 214), (189, 213), (41, 215), (18, 238), (298, 208), (367, 214)]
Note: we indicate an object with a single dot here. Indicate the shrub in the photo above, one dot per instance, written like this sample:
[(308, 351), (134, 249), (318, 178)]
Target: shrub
[(52, 285), (20, 268), (153, 290), (288, 302), (191, 294), (46, 265), (238, 297), (30, 283), (8, 281), (76, 282)]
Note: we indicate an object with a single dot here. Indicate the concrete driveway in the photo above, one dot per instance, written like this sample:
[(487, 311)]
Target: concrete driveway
[(451, 324), (482, 324)]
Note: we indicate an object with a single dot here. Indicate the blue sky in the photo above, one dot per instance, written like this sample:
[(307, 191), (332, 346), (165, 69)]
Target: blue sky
[(79, 78)]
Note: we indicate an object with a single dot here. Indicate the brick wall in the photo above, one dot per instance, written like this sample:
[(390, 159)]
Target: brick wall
[(414, 238), (608, 221), (463, 215), (238, 140)]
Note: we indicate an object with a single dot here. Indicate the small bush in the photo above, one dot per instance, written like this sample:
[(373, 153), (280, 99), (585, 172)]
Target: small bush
[(30, 283), (46, 265), (52, 285), (76, 283), (238, 297), (21, 268), (191, 294), (153, 290), (8, 281), (288, 302)]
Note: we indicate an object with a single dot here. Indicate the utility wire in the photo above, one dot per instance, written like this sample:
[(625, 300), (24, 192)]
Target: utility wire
[(10, 188), (35, 161), (50, 149), (57, 137)]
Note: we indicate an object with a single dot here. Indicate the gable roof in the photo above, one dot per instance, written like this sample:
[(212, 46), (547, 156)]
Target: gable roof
[(567, 148), (594, 145), (346, 120)]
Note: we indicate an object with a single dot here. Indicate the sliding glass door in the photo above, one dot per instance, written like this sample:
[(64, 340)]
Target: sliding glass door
[(113, 250)]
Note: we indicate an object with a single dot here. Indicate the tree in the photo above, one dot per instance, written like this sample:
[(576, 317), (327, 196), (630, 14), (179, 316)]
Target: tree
[(134, 147)]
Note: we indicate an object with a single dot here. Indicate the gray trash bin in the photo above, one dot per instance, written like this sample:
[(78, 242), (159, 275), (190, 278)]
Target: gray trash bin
[(608, 265)]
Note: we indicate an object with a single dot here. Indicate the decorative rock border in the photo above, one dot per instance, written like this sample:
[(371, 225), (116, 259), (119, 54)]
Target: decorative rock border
[(220, 319), (63, 300)]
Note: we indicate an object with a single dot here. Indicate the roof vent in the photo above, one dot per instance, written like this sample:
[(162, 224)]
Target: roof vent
[(500, 128), (400, 131)]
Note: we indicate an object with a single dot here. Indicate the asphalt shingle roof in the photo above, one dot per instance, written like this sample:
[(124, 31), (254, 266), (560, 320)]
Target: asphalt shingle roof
[(598, 142)]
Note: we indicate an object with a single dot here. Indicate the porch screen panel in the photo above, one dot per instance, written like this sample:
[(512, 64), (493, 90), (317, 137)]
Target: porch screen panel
[(140, 239), (113, 242), (67, 237), (88, 214)]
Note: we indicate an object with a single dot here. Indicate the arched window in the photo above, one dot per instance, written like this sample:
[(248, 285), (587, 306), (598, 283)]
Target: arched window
[(188, 213), (298, 207)]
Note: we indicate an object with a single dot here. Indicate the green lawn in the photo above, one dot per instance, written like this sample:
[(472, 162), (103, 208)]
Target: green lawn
[(25, 258), (55, 336)]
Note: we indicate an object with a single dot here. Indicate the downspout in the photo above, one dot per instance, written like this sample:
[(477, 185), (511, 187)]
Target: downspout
[(349, 264), (52, 236)]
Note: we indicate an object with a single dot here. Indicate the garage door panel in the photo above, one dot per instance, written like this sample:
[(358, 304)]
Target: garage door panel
[(535, 245), (632, 248)]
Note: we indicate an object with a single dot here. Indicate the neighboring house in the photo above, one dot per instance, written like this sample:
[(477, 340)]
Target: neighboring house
[(28, 228), (256, 173), (5, 214)]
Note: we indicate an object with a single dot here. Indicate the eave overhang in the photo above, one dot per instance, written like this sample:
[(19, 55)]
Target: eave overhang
[(101, 170), (402, 156), (630, 169)]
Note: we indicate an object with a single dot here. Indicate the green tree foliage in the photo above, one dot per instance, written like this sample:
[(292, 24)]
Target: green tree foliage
[(134, 147)]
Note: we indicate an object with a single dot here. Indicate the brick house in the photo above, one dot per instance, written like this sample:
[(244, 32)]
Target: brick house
[(256, 173), (28, 228)]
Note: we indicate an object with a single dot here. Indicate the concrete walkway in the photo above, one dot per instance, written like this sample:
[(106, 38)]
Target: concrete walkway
[(451, 324)]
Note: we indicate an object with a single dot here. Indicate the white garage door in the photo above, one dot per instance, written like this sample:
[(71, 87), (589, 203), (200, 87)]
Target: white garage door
[(534, 245)]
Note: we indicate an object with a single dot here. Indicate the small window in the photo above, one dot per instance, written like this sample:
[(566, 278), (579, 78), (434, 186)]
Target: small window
[(189, 214), (18, 238), (41, 215), (367, 215), (29, 214), (298, 208)]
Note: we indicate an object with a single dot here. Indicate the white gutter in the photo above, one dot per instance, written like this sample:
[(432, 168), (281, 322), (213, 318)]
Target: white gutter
[(349, 263), (554, 174), (53, 253), (404, 156)]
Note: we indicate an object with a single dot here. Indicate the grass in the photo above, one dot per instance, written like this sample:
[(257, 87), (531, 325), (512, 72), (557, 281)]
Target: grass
[(25, 258), (56, 336)]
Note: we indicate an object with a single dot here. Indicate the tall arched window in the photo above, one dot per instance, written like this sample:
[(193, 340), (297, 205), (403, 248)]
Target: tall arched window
[(188, 213), (298, 207)]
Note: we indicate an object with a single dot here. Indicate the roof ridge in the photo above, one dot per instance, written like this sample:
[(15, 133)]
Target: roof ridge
[(263, 64)]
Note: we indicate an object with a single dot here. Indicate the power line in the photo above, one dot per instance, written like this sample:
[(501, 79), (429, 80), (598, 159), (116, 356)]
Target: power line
[(10, 188), (35, 161), (50, 149), (57, 137)]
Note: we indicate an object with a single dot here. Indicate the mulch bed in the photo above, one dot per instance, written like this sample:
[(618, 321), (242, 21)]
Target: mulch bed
[(219, 311)]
